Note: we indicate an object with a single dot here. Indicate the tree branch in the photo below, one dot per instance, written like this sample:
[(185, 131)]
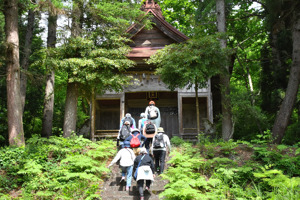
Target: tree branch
[(238, 45), (248, 16)]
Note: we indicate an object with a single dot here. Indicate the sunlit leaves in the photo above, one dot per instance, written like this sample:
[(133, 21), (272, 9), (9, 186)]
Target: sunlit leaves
[(193, 62)]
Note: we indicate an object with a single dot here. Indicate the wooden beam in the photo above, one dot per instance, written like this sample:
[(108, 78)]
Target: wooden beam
[(93, 116), (180, 128)]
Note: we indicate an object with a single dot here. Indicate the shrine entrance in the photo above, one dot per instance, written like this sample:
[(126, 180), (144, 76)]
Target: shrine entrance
[(136, 103)]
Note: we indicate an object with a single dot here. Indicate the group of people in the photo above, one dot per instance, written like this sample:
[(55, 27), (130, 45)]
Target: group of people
[(142, 149)]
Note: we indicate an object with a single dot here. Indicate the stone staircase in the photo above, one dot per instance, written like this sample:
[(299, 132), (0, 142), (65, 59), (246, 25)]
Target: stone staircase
[(114, 190)]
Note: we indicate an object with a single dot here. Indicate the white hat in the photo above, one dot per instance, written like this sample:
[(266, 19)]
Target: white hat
[(143, 150), (135, 130)]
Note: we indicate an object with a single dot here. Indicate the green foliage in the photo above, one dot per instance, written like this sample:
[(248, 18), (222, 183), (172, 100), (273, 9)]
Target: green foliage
[(191, 176), (56, 167), (292, 134), (190, 63), (180, 14), (176, 141)]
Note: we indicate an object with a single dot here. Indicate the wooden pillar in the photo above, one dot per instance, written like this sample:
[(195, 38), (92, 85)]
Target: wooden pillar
[(209, 103), (180, 125), (93, 116), (122, 106)]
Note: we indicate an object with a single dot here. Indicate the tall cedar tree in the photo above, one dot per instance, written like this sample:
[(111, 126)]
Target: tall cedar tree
[(227, 126), (14, 104), (50, 79), (27, 51)]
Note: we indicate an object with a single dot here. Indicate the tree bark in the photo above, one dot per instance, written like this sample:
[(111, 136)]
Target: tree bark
[(286, 108), (25, 60), (49, 90), (72, 88), (227, 126), (14, 106), (70, 109)]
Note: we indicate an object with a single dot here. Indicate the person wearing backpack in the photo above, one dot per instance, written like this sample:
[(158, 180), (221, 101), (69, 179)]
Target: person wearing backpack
[(128, 118), (124, 132), (136, 140), (159, 147), (143, 169), (149, 131), (126, 157), (142, 121), (153, 113)]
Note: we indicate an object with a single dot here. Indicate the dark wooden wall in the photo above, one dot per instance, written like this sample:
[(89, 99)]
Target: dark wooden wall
[(189, 112), (108, 114), (136, 103), (151, 38)]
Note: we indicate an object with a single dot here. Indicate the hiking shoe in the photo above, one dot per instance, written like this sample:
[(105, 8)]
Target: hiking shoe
[(147, 189), (142, 198), (122, 179), (127, 188)]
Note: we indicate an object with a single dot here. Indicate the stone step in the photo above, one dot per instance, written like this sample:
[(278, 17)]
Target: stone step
[(129, 195), (112, 189), (133, 187)]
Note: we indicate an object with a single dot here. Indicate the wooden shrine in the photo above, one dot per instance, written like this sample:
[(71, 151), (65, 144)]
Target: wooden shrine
[(178, 113)]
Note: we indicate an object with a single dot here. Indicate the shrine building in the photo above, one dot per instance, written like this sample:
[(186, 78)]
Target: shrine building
[(177, 108)]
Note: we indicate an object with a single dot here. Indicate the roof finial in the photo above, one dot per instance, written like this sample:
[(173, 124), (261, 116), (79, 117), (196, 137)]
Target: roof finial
[(149, 4), (152, 5)]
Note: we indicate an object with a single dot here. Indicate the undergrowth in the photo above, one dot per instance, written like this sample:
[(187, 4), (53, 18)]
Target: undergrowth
[(55, 168), (215, 170)]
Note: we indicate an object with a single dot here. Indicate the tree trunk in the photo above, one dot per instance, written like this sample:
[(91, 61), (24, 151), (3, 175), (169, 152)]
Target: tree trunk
[(72, 88), (25, 60), (49, 90), (14, 106), (286, 108), (227, 126), (70, 109)]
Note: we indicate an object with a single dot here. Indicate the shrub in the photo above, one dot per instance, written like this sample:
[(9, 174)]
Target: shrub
[(63, 168)]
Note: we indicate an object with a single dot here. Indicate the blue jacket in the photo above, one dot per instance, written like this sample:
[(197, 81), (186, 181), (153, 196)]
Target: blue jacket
[(133, 123), (140, 137)]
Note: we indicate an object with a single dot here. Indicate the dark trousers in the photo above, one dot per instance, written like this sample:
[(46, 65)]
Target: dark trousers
[(140, 184), (147, 143), (159, 157)]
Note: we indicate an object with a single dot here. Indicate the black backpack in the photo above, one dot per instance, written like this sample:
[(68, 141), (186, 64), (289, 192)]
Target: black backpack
[(150, 128), (159, 141), (128, 119), (124, 132)]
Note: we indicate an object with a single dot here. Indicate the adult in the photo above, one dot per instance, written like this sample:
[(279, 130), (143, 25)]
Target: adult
[(136, 133), (126, 157), (128, 118), (144, 170), (153, 113), (149, 131), (142, 120), (124, 132), (159, 147)]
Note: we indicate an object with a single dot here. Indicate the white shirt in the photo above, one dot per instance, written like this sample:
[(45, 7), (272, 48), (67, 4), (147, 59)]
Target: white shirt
[(127, 157)]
